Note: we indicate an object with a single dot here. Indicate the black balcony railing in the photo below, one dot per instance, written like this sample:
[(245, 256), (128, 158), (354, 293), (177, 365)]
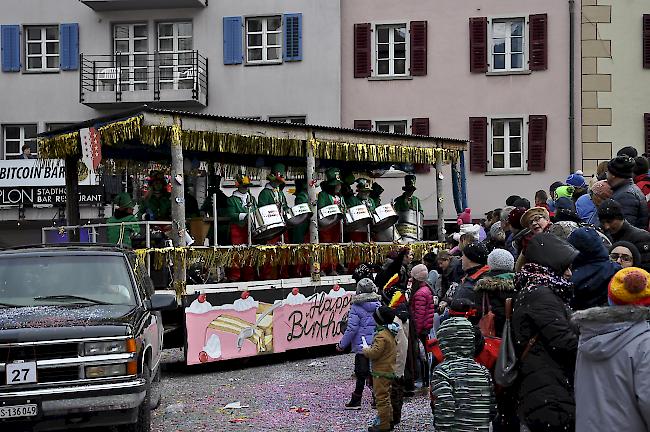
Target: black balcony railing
[(159, 76)]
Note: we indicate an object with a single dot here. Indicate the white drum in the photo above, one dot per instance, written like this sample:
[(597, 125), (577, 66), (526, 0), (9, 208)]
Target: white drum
[(383, 217), (329, 215), (298, 214), (357, 218), (267, 223)]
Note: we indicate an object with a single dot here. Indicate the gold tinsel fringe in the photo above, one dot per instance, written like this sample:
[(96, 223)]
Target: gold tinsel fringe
[(59, 146)]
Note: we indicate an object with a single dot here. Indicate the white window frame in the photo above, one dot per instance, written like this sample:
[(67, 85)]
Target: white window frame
[(265, 46), (43, 41), (301, 119), (181, 73), (525, 44), (132, 84), (391, 55), (524, 143), (391, 125), (21, 140)]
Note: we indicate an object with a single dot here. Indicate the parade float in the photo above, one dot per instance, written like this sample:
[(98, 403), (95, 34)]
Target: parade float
[(228, 320)]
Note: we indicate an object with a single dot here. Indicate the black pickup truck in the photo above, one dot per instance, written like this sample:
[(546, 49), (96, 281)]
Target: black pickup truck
[(80, 339)]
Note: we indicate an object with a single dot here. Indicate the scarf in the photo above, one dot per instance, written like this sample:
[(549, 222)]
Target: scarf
[(534, 275)]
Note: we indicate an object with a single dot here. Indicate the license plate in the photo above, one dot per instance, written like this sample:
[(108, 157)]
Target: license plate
[(21, 373), (13, 411)]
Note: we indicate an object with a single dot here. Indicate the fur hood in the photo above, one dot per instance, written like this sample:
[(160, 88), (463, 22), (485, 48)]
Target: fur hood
[(611, 314), (503, 282), (365, 298)]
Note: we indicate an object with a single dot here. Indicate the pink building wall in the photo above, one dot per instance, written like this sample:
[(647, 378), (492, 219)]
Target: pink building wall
[(449, 94)]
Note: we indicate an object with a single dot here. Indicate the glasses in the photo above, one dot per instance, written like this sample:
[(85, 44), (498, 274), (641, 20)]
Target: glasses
[(623, 257), (536, 219)]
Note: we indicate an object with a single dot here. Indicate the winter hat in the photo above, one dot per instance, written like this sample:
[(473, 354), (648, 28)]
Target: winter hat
[(576, 180), (610, 210), (527, 217), (641, 166), (383, 315), (512, 199), (420, 272), (628, 151), (501, 259), (476, 252), (465, 217), (636, 255), (563, 191), (432, 278), (514, 218), (630, 286), (361, 272), (602, 189), (621, 166), (522, 202), (366, 285), (124, 200), (497, 233)]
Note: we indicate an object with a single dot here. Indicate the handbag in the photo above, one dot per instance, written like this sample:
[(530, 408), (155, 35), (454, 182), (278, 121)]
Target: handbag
[(506, 369), (486, 324)]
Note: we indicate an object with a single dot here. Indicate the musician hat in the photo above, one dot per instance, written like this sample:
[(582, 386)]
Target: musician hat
[(409, 183), (278, 172), (242, 180), (363, 185), (332, 177)]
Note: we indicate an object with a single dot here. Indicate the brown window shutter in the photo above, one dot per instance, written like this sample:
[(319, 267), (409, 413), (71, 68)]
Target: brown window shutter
[(418, 48), (478, 144), (646, 127), (646, 41), (537, 143), (362, 50), (538, 30), (420, 126), (478, 45), (363, 124)]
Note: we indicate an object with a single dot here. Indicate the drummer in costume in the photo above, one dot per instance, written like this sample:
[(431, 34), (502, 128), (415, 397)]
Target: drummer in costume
[(273, 194), (376, 192), (407, 201), (240, 204), (330, 194), (362, 197), (300, 233)]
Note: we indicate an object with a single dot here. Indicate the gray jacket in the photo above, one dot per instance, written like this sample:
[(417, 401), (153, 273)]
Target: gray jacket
[(633, 203), (612, 380)]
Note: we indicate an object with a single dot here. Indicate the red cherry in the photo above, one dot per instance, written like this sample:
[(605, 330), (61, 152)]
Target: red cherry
[(337, 287), (294, 291), (201, 298), (203, 357), (245, 295)]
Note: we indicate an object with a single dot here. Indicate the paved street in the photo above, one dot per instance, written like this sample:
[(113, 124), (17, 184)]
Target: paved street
[(301, 394)]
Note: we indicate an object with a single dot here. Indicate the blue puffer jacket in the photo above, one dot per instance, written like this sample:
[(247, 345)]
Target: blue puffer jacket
[(633, 203), (360, 321), (592, 269)]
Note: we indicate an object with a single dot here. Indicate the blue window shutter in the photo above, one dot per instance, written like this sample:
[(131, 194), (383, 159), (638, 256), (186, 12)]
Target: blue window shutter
[(10, 35), (232, 40), (69, 43), (292, 37)]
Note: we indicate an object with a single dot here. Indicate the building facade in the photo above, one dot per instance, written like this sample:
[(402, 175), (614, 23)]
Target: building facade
[(71, 60), (493, 72), (615, 78)]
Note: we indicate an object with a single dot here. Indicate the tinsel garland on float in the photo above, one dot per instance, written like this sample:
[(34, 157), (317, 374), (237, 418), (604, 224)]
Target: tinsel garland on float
[(132, 129)]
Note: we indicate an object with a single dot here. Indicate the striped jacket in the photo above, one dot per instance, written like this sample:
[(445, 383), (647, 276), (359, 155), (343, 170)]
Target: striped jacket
[(462, 397)]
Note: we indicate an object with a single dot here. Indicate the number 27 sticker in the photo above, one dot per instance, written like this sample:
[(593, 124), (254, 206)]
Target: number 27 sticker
[(21, 373)]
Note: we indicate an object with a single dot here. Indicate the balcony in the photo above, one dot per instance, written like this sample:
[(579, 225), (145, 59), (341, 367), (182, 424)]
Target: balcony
[(116, 5), (172, 79)]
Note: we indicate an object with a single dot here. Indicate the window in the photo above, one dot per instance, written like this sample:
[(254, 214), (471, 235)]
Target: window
[(290, 119), (391, 49), (131, 46), (16, 136), (507, 144), (398, 127), (42, 45), (264, 39), (508, 45), (176, 55)]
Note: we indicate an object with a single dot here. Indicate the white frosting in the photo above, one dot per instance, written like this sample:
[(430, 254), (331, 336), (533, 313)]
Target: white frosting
[(213, 347), (295, 299), (340, 293), (198, 307), (241, 305)]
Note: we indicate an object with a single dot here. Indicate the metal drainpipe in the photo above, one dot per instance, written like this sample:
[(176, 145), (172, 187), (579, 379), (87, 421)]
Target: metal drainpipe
[(572, 132)]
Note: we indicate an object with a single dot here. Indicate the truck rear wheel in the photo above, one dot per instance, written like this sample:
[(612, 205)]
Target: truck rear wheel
[(144, 410)]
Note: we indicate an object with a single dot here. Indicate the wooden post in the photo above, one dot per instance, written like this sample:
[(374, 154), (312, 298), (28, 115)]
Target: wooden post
[(440, 198), (72, 196), (178, 205), (313, 203)]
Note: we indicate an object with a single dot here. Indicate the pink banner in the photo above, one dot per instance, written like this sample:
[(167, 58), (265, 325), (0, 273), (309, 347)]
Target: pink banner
[(248, 328)]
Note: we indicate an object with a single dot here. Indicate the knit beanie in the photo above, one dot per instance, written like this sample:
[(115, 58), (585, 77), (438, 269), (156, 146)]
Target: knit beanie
[(476, 252), (383, 315), (563, 191), (420, 272), (361, 272), (514, 218), (496, 232), (465, 217), (621, 166), (610, 210), (501, 259), (630, 286), (602, 189), (365, 285), (522, 202), (510, 201), (576, 180), (628, 151)]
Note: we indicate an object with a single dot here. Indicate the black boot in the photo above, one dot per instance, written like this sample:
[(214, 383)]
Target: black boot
[(355, 402)]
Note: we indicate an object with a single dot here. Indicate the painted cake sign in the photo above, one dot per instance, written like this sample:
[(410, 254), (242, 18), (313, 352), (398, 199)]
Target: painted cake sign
[(247, 327)]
